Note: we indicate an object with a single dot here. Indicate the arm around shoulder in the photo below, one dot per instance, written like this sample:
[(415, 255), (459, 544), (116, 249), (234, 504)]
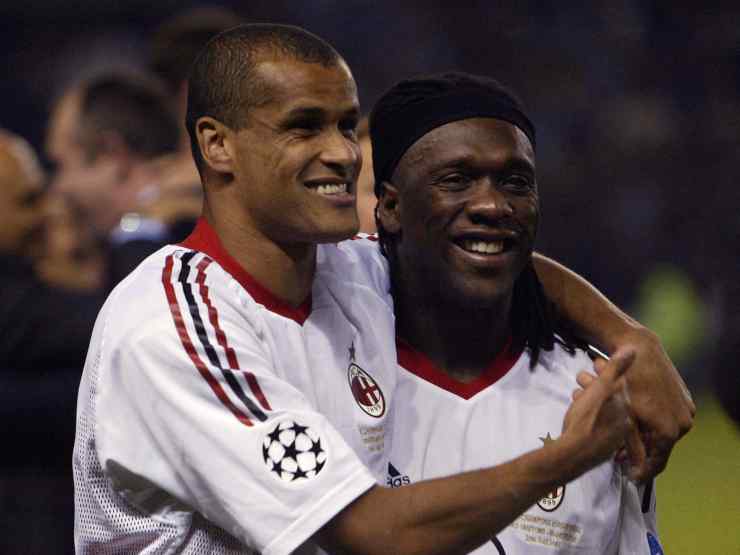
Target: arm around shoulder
[(660, 398)]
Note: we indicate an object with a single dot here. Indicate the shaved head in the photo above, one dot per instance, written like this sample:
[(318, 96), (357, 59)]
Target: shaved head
[(21, 188)]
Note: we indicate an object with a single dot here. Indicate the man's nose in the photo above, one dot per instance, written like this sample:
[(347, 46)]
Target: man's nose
[(340, 151), (488, 202)]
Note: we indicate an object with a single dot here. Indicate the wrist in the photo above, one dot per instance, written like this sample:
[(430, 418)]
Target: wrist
[(563, 459), (630, 332)]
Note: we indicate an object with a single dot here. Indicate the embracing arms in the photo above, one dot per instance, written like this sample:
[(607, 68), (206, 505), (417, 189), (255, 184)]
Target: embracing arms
[(660, 400)]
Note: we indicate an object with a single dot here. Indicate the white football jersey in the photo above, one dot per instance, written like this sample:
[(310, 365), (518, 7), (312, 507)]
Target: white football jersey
[(213, 418), (442, 427)]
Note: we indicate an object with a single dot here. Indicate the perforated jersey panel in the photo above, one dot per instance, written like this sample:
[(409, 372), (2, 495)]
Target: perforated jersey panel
[(106, 524)]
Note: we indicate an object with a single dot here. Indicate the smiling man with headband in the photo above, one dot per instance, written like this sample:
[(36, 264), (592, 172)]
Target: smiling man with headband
[(486, 368)]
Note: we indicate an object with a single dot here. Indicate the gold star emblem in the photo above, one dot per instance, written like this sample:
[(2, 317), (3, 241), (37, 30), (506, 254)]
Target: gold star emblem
[(547, 439)]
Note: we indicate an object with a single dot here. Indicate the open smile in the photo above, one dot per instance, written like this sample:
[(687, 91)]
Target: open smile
[(338, 192), (486, 251)]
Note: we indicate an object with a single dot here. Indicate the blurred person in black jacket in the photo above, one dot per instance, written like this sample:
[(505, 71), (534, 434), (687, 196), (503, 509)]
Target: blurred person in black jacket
[(110, 138), (41, 327)]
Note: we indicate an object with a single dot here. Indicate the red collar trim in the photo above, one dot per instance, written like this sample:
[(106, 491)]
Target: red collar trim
[(204, 239), (419, 364)]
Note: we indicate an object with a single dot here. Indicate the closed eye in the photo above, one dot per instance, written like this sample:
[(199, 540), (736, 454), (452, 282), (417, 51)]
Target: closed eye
[(454, 180), (518, 183), (305, 124), (348, 126)]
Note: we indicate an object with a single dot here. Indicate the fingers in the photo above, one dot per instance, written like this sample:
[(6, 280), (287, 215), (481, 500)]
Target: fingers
[(656, 460), (618, 364), (600, 364), (635, 450), (585, 379)]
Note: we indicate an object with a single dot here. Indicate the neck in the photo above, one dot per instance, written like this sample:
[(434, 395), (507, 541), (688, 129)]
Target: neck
[(286, 271), (461, 341)]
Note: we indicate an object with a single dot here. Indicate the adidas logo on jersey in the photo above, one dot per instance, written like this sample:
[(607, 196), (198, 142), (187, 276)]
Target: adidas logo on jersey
[(395, 479)]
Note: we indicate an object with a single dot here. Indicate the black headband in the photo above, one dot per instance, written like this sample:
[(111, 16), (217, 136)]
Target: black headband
[(394, 134)]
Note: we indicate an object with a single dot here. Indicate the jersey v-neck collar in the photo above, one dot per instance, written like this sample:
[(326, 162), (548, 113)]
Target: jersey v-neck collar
[(421, 366), (204, 239)]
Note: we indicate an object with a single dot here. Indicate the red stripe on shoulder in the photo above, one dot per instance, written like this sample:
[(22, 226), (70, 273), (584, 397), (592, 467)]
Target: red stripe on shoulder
[(221, 335), (190, 348)]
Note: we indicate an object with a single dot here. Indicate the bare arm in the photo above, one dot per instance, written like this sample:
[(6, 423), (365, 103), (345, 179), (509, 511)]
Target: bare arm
[(459, 513), (660, 399)]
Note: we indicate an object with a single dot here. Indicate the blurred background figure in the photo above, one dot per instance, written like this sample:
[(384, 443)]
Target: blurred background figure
[(107, 138), (44, 332), (71, 257), (42, 327), (21, 190)]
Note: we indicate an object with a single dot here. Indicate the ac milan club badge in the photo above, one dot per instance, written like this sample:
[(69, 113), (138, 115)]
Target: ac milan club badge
[(554, 498), (366, 391)]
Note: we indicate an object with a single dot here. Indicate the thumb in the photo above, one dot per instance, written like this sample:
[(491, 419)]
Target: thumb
[(618, 364)]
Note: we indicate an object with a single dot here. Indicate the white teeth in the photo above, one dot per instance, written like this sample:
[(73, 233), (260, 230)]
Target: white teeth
[(332, 189), (485, 247)]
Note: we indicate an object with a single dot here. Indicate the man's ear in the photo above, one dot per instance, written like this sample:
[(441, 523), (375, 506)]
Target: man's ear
[(213, 140), (389, 208)]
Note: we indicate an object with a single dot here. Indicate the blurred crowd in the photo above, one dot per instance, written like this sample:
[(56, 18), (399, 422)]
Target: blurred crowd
[(637, 109)]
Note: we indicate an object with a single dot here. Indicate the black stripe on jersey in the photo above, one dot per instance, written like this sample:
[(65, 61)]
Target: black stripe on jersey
[(206, 343), (647, 496)]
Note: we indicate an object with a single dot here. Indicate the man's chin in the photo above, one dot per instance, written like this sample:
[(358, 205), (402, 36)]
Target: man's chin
[(477, 295), (336, 232)]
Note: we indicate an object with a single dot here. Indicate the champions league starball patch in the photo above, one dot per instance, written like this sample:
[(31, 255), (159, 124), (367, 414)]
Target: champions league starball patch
[(293, 452)]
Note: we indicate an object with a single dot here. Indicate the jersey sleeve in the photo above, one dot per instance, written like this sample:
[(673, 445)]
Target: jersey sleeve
[(189, 404), (638, 522)]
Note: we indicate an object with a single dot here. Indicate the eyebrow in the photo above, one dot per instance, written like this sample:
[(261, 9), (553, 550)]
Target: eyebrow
[(304, 112), (465, 162), (310, 112)]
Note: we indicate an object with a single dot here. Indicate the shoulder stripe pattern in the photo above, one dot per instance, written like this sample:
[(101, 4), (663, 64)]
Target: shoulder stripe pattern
[(194, 310), (221, 338)]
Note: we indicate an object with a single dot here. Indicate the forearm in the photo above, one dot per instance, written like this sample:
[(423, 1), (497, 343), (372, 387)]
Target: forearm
[(590, 314), (449, 515), (661, 402)]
